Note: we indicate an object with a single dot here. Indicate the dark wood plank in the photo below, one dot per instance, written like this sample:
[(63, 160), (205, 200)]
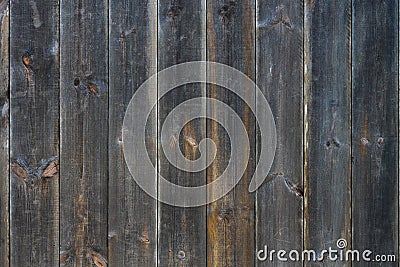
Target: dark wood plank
[(280, 77), (375, 59), (84, 132), (34, 143), (231, 220), (181, 38), (328, 135), (133, 57), (4, 132)]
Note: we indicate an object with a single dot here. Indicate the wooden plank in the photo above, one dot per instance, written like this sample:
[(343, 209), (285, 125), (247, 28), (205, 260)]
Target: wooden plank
[(84, 133), (181, 38), (375, 59), (4, 132), (34, 142), (279, 53), (132, 213), (231, 220), (328, 135)]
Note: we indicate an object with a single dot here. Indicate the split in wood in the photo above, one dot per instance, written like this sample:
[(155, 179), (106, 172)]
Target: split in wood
[(290, 185), (31, 175), (280, 17), (96, 258)]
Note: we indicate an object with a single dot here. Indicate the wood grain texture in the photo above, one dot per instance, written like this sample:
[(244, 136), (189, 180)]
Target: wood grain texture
[(328, 121), (4, 132), (84, 132), (375, 121), (280, 77), (34, 142), (133, 57), (181, 38), (231, 220)]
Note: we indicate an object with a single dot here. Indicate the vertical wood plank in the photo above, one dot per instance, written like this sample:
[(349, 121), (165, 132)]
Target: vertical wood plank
[(181, 38), (375, 127), (84, 132), (328, 120), (231, 220), (4, 132), (34, 142), (280, 77), (133, 57)]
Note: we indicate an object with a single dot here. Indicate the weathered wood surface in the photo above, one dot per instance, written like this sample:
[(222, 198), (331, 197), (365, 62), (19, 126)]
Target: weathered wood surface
[(327, 90), (132, 214), (4, 131), (231, 220), (34, 139), (181, 38), (329, 69), (279, 202), (84, 133), (375, 122)]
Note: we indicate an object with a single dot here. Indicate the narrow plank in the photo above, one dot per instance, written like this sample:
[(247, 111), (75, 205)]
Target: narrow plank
[(133, 57), (375, 59), (231, 220), (84, 133), (4, 132), (328, 134), (279, 53), (181, 38), (34, 141)]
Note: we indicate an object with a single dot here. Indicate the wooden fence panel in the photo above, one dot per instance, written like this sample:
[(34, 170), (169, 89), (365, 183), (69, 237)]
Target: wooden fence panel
[(132, 213), (68, 69), (34, 139), (4, 132), (375, 59), (280, 76), (327, 83), (181, 38), (84, 132), (231, 220)]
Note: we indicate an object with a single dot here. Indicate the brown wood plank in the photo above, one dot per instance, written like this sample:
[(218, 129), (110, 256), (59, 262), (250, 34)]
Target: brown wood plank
[(181, 38), (84, 133), (279, 53), (231, 220), (34, 142), (328, 135), (4, 132), (132, 213), (375, 59)]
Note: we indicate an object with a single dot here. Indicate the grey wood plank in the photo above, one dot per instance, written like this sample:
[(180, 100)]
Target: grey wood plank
[(328, 134), (132, 213), (375, 59), (4, 132), (34, 141), (279, 74), (84, 133), (231, 220), (181, 38)]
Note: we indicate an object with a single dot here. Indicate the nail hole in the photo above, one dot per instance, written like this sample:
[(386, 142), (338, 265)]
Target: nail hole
[(77, 82), (181, 254)]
